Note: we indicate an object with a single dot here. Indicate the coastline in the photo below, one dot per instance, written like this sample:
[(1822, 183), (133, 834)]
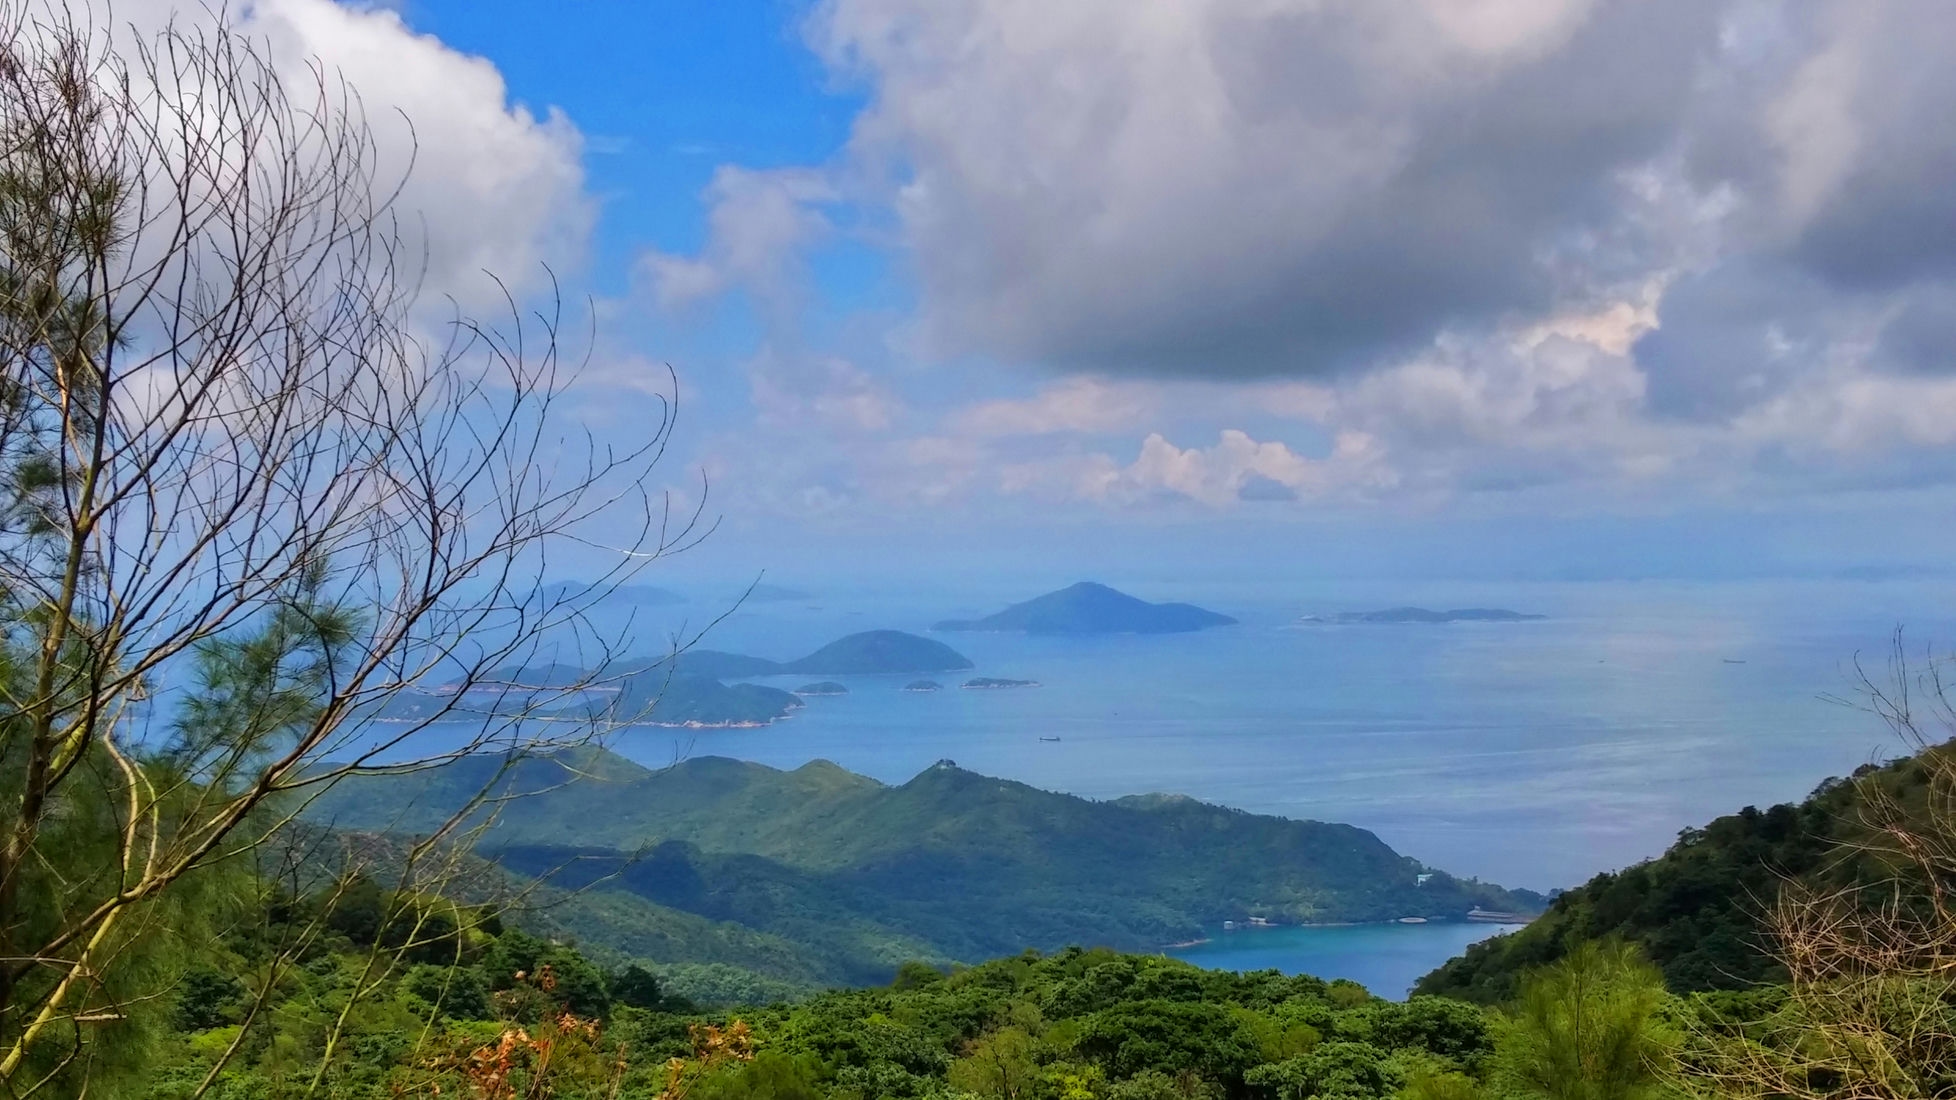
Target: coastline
[(1244, 926)]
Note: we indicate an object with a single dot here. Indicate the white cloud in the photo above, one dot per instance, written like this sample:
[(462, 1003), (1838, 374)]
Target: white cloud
[(1232, 188), (486, 184), (757, 224), (1237, 468), (1474, 244), (1070, 405), (807, 394), (495, 186)]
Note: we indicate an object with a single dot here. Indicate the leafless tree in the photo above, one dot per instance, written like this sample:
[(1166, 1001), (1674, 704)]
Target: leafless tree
[(256, 497), (1868, 942)]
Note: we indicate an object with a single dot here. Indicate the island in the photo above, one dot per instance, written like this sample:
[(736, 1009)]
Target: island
[(872, 652), (1422, 615), (1090, 608), (689, 688), (877, 652), (990, 683), (654, 695), (695, 702), (923, 685)]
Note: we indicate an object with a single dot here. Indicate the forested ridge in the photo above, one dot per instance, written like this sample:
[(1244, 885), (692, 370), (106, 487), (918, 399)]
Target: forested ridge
[(1699, 910), (852, 877)]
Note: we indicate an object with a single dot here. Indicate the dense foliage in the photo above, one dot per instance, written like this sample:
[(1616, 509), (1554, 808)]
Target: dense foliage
[(1076, 1024), (1696, 911), (825, 877)]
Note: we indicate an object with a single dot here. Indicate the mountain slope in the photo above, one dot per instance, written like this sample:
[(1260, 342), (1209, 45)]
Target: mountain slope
[(1696, 910), (951, 865), (875, 652), (1089, 608), (871, 652), (653, 698)]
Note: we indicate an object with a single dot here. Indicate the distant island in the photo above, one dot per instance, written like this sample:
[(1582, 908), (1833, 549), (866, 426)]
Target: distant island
[(872, 652), (1422, 615), (1089, 608), (879, 652), (986, 683), (923, 685), (843, 877), (656, 696), (694, 702), (684, 689)]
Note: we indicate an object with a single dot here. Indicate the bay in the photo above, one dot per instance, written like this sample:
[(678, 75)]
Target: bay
[(1384, 958), (1532, 754)]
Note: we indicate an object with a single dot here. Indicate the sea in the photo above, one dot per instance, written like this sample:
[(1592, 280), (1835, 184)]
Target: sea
[(1533, 754)]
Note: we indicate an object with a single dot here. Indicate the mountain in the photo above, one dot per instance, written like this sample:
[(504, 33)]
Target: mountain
[(1422, 615), (880, 651), (655, 699), (656, 695), (1696, 910), (951, 866), (870, 652), (1089, 608)]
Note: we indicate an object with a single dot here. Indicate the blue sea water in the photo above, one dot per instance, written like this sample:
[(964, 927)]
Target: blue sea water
[(1384, 958), (1530, 754)]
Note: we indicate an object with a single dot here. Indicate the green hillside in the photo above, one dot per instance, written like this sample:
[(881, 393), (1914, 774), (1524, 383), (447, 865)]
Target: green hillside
[(1088, 1024), (951, 866), (1696, 909)]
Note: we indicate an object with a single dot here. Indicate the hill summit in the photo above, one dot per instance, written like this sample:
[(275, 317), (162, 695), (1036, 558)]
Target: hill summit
[(844, 877), (1089, 608)]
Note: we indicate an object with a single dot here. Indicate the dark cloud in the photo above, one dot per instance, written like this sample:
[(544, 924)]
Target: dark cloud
[(1882, 69), (1271, 191), (1233, 190), (1732, 336), (1921, 338)]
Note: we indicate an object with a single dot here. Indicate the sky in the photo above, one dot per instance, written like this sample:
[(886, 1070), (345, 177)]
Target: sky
[(1478, 288)]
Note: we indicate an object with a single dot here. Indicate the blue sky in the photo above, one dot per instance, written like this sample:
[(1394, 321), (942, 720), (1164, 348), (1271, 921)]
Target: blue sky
[(664, 92), (1542, 288)]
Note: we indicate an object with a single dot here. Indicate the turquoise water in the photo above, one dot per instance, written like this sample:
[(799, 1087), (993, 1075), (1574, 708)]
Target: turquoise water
[(1531, 754), (1384, 958)]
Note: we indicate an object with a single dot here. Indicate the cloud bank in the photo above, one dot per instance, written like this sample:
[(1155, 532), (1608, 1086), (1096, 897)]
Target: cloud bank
[(1507, 243)]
